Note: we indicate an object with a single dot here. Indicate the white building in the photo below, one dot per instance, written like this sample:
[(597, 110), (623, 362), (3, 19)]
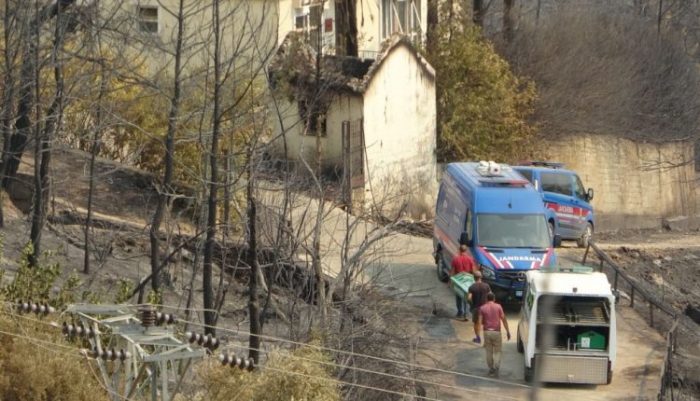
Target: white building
[(379, 125)]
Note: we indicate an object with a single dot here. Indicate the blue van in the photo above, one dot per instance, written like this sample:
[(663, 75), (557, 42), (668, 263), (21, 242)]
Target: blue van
[(569, 211), (500, 217)]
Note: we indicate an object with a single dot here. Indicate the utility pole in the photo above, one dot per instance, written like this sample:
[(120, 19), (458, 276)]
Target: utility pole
[(136, 349)]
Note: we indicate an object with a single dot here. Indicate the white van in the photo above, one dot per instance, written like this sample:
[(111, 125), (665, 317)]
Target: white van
[(580, 347)]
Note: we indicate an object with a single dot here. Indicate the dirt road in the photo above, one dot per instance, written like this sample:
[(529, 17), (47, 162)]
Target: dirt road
[(447, 342)]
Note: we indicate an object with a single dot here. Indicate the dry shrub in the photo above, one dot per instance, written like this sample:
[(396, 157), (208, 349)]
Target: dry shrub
[(37, 371), (306, 380), (602, 69)]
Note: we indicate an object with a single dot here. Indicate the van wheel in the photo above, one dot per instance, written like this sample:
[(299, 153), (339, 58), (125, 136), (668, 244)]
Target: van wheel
[(610, 376), (550, 224), (440, 264), (529, 375), (519, 343), (586, 237)]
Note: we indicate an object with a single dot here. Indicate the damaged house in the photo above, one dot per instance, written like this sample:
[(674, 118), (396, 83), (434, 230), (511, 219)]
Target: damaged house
[(375, 119)]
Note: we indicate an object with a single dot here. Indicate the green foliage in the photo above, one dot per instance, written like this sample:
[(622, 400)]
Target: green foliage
[(306, 380), (32, 283), (155, 297), (67, 292), (124, 289), (37, 283), (482, 106)]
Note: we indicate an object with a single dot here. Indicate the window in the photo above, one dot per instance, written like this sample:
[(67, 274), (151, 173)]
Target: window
[(312, 118), (512, 231), (400, 16), (301, 22), (468, 226), (315, 23), (527, 174), (557, 183), (148, 19), (530, 297), (578, 188), (442, 202)]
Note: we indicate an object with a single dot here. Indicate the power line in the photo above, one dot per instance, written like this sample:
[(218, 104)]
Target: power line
[(350, 353), (337, 365), (422, 381), (407, 364)]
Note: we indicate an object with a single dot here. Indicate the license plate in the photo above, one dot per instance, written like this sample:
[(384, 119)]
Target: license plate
[(518, 293)]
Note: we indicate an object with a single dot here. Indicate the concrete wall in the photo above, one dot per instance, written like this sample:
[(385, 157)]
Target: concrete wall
[(636, 184), (399, 112)]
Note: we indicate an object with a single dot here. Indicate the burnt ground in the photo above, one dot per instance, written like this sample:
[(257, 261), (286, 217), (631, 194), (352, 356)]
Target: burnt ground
[(667, 264)]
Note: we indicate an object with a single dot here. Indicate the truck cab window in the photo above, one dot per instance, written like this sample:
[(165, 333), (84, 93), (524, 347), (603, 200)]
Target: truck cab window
[(527, 174), (557, 182), (442, 201), (468, 225)]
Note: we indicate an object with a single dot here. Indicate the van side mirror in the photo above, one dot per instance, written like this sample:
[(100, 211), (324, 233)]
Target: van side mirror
[(589, 194), (464, 239), (557, 241), (616, 294)]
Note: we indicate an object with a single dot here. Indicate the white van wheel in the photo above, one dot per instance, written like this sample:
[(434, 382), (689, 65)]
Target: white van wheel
[(519, 344), (529, 375), (586, 237)]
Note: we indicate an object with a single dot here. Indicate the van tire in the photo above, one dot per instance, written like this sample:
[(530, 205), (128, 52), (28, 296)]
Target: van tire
[(519, 344), (610, 375), (586, 236), (439, 264), (550, 225), (529, 375)]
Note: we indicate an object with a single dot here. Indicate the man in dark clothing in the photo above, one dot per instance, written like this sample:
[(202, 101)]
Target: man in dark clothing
[(477, 297), (491, 316), (462, 263)]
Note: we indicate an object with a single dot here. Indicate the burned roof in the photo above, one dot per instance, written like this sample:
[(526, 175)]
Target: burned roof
[(295, 61)]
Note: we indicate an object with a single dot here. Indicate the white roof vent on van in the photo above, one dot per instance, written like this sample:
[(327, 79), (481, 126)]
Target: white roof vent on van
[(491, 169)]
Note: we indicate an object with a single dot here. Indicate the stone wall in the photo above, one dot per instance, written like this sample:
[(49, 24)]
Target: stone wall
[(636, 184)]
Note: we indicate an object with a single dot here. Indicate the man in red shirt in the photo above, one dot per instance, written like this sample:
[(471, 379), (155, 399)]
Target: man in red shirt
[(462, 263), (490, 316)]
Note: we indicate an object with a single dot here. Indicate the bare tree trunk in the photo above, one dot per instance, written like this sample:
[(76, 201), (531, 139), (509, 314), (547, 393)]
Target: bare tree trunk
[(18, 140), (222, 288), (350, 34), (253, 306), (37, 203), (432, 22), (43, 137), (97, 134), (165, 190), (316, 244), (209, 314), (478, 12), (508, 20), (9, 54)]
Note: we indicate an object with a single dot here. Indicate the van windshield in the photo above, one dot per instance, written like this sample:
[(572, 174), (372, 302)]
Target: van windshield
[(512, 231)]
